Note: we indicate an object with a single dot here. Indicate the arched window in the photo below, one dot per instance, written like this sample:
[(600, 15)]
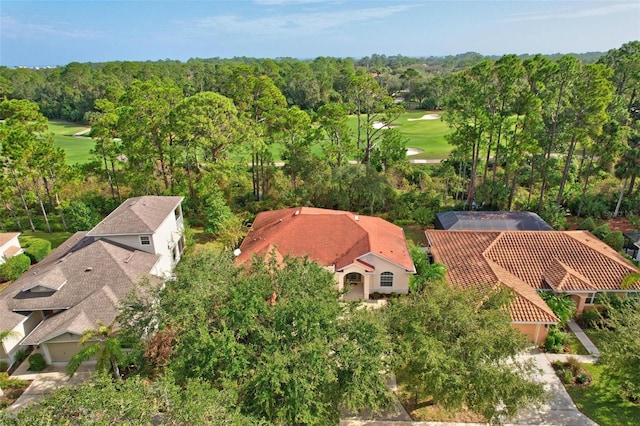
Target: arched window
[(386, 279)]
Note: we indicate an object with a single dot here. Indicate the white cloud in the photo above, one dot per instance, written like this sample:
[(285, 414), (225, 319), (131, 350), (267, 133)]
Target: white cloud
[(14, 28), (575, 14), (290, 24)]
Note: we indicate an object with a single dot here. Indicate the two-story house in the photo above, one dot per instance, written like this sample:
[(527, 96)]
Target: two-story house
[(88, 277)]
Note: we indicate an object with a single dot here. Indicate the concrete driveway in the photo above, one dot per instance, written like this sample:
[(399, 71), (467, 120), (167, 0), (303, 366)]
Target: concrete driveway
[(559, 408), (45, 381)]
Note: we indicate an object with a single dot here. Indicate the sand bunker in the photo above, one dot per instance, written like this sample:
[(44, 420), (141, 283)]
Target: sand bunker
[(426, 117), (413, 151), (381, 125)]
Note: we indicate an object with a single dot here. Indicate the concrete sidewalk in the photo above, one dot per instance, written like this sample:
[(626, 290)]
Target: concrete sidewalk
[(559, 408), (43, 382), (584, 339)]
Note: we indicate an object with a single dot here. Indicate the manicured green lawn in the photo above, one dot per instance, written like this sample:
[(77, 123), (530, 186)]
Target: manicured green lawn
[(427, 135), (76, 148), (56, 238), (602, 405)]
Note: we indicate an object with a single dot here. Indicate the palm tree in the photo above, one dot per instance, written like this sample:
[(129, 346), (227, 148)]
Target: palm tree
[(8, 334), (105, 347)]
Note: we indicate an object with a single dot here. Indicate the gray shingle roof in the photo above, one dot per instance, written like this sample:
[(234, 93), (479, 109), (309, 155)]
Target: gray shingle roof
[(491, 221), (139, 215), (98, 275)]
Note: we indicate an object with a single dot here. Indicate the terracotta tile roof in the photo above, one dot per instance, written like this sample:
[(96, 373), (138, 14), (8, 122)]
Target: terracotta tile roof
[(566, 261), (139, 215), (329, 237)]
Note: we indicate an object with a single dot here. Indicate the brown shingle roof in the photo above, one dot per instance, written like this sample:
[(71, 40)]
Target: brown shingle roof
[(139, 215), (329, 237), (566, 261)]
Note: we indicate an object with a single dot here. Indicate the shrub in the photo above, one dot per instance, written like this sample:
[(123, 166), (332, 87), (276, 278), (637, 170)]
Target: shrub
[(567, 377), (80, 216), (602, 231), (4, 366), (20, 356), (587, 225), (615, 240), (37, 249), (424, 216), (556, 340), (14, 267), (590, 318), (36, 362)]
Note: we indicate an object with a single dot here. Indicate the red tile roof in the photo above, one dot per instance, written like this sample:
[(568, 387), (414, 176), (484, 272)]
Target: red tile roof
[(527, 261), (330, 237)]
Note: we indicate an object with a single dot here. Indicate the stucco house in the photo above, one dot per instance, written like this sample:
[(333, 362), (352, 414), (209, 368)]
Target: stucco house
[(9, 245), (570, 262), (366, 254), (86, 279)]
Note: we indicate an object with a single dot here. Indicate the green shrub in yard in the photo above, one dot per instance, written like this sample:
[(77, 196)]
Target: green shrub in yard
[(602, 231), (615, 240), (587, 225), (14, 267), (37, 249), (36, 362), (556, 340), (590, 318)]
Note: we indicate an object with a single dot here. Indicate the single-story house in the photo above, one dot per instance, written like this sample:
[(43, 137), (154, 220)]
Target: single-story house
[(9, 245), (89, 276), (366, 254), (570, 262), (490, 221)]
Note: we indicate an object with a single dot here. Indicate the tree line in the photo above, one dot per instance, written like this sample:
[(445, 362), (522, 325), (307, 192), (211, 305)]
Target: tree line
[(529, 134)]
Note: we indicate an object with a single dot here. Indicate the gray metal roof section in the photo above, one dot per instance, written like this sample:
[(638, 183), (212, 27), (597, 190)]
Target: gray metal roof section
[(490, 221)]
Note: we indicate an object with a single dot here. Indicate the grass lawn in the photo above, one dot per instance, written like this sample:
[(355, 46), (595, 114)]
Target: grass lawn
[(600, 404), (205, 241), (56, 238), (415, 234), (427, 135), (77, 149)]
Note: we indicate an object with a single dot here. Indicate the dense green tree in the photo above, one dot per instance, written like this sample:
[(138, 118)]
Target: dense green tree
[(462, 352), (280, 335), (621, 350), (136, 401)]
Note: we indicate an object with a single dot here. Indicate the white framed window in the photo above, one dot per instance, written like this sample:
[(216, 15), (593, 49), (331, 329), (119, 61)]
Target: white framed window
[(591, 298), (386, 279), (145, 240)]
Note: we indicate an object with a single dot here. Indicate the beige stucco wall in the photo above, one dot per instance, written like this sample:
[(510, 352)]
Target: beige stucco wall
[(60, 349), (372, 279), (536, 333)]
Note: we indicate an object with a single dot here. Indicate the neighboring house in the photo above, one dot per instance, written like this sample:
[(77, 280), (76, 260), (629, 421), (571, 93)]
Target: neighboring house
[(490, 221), (632, 244), (86, 279), (366, 254), (572, 262), (9, 245)]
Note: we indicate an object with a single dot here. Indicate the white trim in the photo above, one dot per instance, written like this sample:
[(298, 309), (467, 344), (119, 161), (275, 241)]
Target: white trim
[(413, 271)]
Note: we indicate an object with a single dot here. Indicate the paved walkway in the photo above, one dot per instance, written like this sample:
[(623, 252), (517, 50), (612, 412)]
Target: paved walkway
[(559, 408), (43, 382), (584, 339)]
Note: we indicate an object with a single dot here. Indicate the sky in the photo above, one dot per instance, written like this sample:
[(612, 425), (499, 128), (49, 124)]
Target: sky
[(52, 32)]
